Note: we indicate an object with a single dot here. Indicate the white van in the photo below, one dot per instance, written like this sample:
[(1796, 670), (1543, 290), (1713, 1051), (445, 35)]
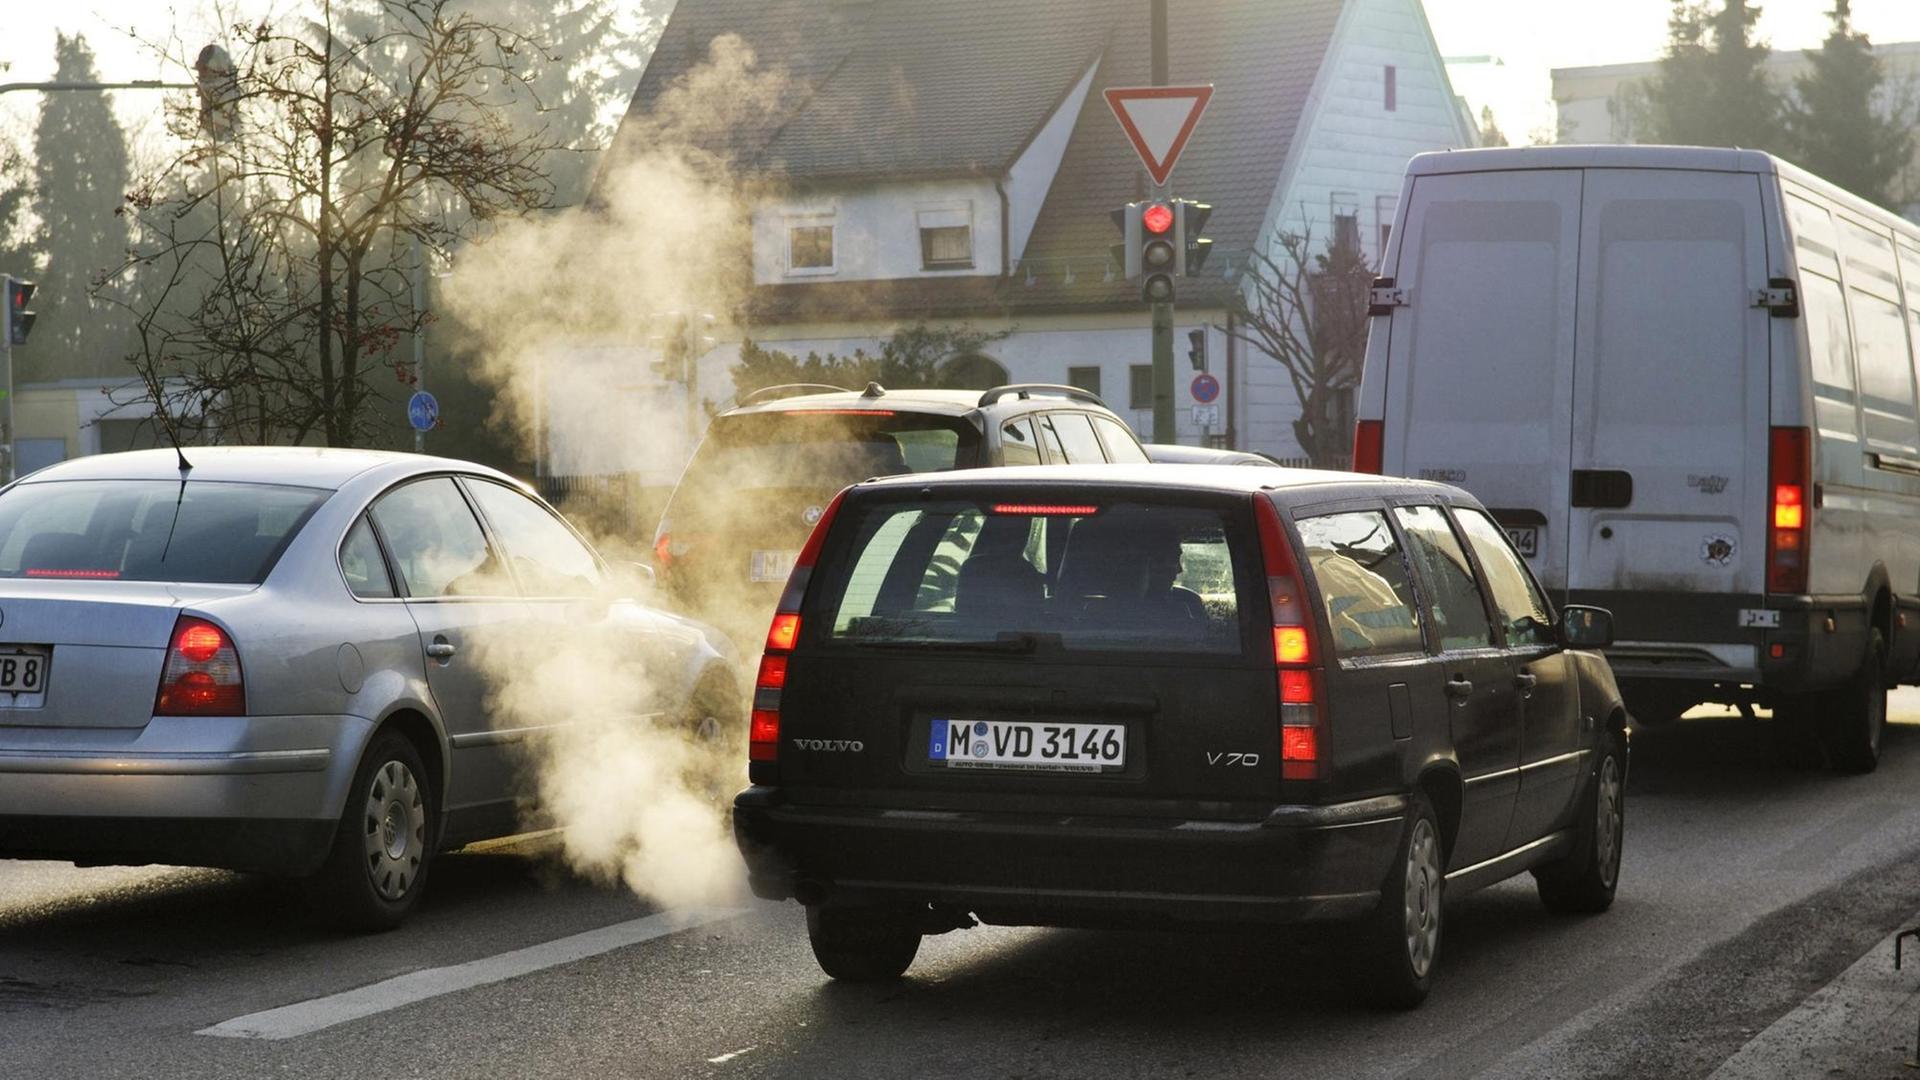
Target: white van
[(1683, 380)]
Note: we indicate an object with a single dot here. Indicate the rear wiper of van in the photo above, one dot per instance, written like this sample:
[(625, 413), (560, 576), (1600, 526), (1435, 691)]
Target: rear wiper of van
[(1009, 643)]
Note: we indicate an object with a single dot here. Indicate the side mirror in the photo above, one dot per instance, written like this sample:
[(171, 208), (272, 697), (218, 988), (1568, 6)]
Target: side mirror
[(1583, 627), (633, 577)]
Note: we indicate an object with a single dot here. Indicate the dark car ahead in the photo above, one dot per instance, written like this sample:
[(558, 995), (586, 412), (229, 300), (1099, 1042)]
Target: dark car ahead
[(767, 468), (1173, 694)]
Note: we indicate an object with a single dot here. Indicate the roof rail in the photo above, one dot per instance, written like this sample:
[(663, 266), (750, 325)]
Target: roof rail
[(769, 393), (1027, 390)]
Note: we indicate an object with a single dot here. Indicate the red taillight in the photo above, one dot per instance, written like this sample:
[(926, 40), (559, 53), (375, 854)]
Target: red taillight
[(202, 676), (1790, 483), (763, 737), (1369, 446), (1293, 652), (663, 551), (784, 632), (82, 575)]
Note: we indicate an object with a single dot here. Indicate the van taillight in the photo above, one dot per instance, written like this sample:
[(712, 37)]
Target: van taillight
[(1790, 491), (202, 676), (1369, 446), (763, 733), (1294, 655), (662, 549)]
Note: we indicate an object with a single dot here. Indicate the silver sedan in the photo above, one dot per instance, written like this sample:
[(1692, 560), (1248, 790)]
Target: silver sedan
[(269, 661)]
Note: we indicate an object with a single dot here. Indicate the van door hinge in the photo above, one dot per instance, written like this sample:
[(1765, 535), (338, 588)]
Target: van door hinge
[(1781, 298), (1385, 296)]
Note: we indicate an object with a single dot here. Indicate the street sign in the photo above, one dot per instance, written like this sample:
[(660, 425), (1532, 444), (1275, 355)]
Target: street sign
[(1204, 388), (423, 411), (1206, 416), (1158, 121)]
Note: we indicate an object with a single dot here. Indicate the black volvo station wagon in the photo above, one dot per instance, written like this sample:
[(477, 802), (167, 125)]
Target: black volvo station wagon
[(1095, 696)]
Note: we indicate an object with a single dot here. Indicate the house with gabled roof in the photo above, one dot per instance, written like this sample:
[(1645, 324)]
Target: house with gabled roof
[(946, 162)]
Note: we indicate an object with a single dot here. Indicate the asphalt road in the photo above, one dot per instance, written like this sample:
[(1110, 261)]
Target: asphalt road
[(1746, 888)]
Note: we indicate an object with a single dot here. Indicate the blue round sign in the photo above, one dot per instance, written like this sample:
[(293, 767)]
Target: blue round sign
[(423, 411), (1205, 388)]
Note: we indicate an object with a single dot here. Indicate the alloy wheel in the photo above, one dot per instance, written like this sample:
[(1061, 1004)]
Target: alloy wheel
[(1422, 911), (395, 830), (1608, 811)]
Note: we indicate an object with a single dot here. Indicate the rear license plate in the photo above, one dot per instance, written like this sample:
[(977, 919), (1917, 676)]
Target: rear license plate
[(1526, 539), (771, 565), (1029, 745), (22, 671)]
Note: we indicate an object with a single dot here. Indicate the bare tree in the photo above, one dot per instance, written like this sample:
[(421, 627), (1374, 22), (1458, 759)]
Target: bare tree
[(323, 162), (1308, 311)]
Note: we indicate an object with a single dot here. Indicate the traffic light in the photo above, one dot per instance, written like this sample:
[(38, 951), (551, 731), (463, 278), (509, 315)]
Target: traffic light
[(1193, 221), (1197, 349), (19, 319), (1126, 253), (1159, 250)]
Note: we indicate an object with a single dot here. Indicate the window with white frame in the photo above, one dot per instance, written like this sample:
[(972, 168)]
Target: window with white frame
[(946, 238), (810, 244)]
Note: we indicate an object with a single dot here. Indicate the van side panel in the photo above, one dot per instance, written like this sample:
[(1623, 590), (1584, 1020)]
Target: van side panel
[(1483, 351)]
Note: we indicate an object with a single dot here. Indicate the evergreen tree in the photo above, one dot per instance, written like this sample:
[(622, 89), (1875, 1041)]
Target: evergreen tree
[(1490, 133), (16, 188), (80, 180), (1712, 88), (1839, 126)]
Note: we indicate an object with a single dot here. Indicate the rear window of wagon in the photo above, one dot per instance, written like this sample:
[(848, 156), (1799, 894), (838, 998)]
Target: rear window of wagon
[(1049, 571), (202, 532)]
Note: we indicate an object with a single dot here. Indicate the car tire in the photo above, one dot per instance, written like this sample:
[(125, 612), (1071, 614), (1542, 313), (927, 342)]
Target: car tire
[(861, 944), (383, 849), (1583, 882), (1856, 720), (1400, 941)]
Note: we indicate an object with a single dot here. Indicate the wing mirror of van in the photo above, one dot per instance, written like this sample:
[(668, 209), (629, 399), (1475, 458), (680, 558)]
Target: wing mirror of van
[(1583, 627)]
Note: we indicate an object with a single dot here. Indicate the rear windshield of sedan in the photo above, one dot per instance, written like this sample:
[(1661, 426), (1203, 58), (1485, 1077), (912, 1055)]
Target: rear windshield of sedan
[(149, 530), (1116, 576), (830, 449)]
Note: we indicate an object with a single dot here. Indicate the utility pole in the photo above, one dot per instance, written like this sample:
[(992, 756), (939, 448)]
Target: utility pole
[(1163, 427)]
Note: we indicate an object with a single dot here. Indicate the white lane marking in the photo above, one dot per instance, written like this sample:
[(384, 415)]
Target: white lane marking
[(1868, 1005), (724, 1058), (306, 1017)]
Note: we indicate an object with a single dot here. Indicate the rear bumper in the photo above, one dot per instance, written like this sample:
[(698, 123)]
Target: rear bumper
[(1300, 863), (1684, 641), (249, 793)]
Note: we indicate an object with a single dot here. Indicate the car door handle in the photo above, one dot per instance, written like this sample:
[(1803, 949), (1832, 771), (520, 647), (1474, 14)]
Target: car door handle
[(1525, 682), (1459, 688), (441, 649)]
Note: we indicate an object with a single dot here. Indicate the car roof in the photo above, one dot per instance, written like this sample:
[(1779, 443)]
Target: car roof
[(1176, 454), (916, 399), (300, 466), (1223, 478)]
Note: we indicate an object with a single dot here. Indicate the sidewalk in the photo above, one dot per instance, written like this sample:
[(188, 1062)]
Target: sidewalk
[(1860, 1025)]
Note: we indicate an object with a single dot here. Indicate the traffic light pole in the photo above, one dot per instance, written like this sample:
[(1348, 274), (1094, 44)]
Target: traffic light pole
[(1163, 428)]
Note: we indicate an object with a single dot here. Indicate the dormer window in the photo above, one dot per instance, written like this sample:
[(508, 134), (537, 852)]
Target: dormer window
[(810, 245), (946, 238)]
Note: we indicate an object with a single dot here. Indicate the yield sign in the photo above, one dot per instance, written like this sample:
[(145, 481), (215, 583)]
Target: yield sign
[(1159, 120)]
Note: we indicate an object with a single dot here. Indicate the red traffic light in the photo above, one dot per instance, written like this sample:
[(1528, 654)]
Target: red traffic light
[(1157, 218)]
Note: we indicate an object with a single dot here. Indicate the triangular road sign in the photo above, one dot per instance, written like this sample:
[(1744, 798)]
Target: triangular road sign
[(1159, 120)]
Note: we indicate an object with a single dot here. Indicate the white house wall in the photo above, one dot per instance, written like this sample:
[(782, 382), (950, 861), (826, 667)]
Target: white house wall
[(1351, 143), (877, 230)]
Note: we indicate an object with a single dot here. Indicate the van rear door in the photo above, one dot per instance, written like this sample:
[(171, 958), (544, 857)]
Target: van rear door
[(1670, 388), (1480, 360)]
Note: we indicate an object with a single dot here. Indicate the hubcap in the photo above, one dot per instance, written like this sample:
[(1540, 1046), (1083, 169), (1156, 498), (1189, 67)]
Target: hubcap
[(1423, 897), (396, 830), (1607, 829)]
